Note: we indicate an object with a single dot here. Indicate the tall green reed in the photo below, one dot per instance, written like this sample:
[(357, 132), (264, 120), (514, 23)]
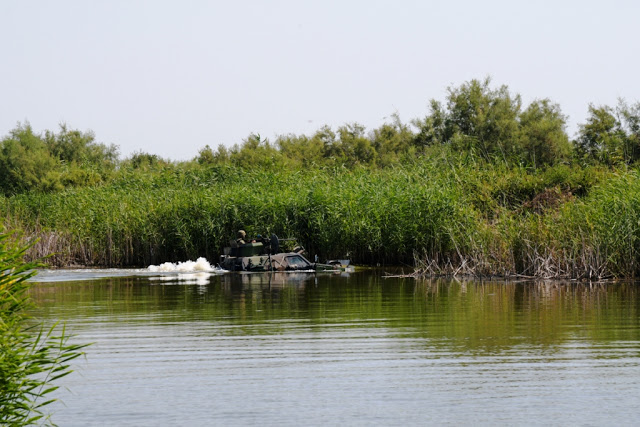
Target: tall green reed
[(447, 214), (32, 357)]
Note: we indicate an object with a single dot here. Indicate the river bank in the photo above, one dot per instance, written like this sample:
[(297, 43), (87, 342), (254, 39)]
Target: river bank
[(435, 214)]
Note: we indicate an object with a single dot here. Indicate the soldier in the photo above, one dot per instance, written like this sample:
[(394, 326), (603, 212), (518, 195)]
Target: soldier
[(241, 236)]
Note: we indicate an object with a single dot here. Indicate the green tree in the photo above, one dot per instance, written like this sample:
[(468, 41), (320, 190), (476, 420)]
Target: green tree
[(206, 156), (542, 138), (630, 120), (256, 152), (352, 146), (145, 161), (475, 119), (32, 358), (26, 163), (81, 148), (482, 119), (490, 123), (29, 161), (392, 142), (327, 138), (602, 139), (432, 129), (302, 150)]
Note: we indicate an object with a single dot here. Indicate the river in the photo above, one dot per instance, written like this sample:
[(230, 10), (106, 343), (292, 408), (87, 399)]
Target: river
[(342, 349)]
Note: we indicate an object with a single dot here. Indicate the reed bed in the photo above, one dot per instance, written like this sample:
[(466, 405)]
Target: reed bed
[(442, 217)]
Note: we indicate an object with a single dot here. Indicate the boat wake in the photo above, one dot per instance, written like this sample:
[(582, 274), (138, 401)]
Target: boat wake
[(200, 265)]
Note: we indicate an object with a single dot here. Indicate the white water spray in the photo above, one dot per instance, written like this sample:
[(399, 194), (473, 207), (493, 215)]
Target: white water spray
[(200, 265)]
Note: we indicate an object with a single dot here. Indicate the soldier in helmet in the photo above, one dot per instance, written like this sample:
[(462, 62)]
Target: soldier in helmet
[(241, 237)]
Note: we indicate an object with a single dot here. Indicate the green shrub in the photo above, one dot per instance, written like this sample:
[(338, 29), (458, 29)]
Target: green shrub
[(32, 357)]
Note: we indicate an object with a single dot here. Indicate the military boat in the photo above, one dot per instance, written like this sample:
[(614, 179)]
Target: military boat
[(272, 254)]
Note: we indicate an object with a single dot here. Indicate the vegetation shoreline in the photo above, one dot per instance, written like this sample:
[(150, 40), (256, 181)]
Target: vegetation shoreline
[(515, 223), (480, 186)]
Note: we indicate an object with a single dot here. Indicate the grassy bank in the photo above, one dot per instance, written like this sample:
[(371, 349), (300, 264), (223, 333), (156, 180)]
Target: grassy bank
[(372, 216), (449, 217)]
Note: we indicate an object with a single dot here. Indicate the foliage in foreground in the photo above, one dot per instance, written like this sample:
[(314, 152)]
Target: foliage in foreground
[(32, 357)]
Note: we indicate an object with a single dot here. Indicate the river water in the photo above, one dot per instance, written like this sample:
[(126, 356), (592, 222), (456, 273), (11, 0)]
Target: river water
[(350, 349)]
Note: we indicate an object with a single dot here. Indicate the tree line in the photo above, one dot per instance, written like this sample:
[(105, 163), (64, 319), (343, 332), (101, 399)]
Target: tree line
[(475, 121)]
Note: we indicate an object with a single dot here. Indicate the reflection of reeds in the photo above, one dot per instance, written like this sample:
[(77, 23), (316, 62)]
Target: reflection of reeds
[(548, 312), (484, 315)]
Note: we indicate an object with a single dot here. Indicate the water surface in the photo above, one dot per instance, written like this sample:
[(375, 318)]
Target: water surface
[(358, 349)]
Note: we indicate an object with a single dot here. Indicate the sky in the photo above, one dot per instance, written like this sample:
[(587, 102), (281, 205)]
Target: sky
[(170, 77)]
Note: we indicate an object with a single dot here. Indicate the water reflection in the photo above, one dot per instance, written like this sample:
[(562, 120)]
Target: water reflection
[(292, 349), (466, 315)]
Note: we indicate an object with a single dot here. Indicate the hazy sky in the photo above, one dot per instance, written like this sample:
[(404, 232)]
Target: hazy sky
[(169, 77)]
